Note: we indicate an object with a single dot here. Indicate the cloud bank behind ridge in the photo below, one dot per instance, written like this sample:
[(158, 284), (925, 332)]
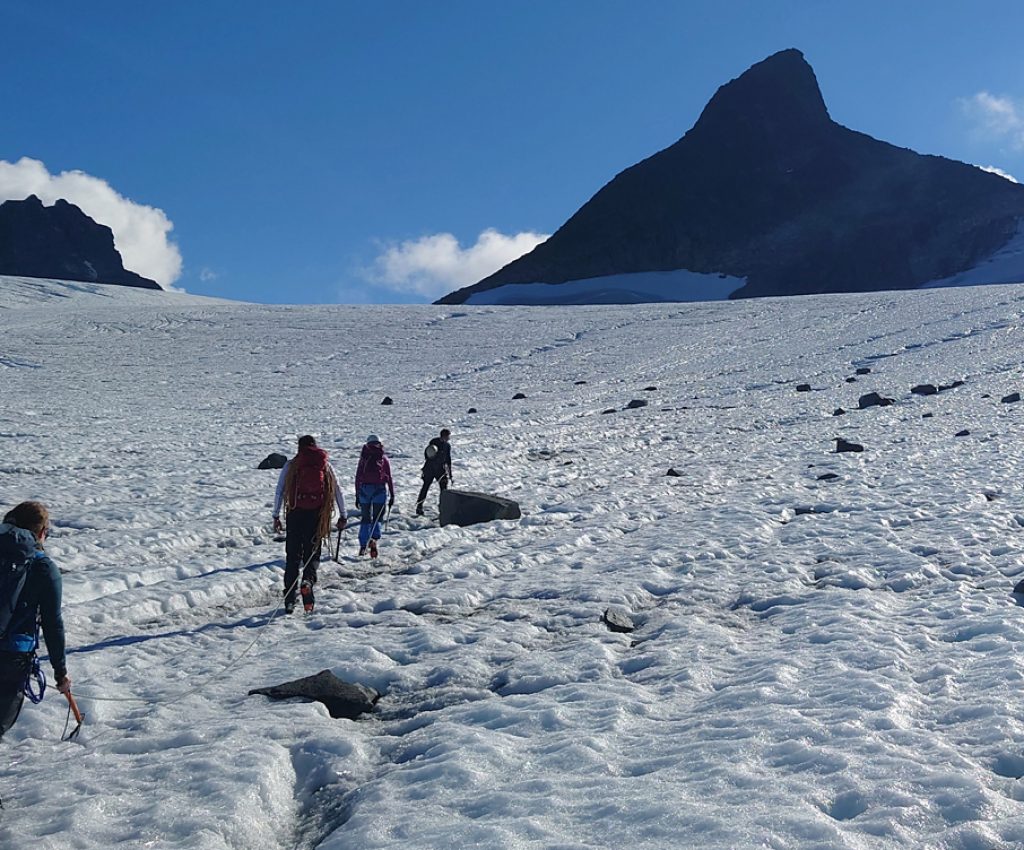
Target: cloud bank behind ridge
[(140, 231), (435, 265)]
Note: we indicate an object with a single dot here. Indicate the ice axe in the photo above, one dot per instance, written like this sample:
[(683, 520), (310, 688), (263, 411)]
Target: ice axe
[(79, 719)]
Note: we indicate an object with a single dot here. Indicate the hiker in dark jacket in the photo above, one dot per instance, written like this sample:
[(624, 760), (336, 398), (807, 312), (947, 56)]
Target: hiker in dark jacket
[(22, 534), (437, 466), (373, 484), (308, 489)]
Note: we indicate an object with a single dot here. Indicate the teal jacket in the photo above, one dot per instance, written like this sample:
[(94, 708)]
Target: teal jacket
[(38, 602)]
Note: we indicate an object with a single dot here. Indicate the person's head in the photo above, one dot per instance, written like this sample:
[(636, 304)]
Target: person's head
[(307, 442), (445, 434), (373, 438), (32, 516)]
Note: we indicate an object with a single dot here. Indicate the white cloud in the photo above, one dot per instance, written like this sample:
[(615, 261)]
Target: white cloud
[(435, 265), (999, 118), (206, 275), (991, 169), (140, 232)]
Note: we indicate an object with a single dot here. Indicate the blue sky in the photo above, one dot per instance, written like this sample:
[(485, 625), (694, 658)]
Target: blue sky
[(323, 152)]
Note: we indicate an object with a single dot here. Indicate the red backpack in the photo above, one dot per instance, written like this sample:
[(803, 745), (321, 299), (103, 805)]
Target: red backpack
[(310, 478)]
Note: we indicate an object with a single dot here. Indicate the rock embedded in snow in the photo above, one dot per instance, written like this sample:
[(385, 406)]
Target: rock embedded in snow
[(635, 403), (873, 400), (803, 388), (864, 370), (1012, 398), (964, 433), (343, 700), (609, 410), (274, 460), (387, 400), (846, 446), (463, 507), (924, 389), (838, 412), (673, 473), (518, 396), (828, 476), (617, 621), (471, 410)]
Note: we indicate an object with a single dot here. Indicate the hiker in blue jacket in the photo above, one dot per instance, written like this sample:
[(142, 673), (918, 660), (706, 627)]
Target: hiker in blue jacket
[(22, 535)]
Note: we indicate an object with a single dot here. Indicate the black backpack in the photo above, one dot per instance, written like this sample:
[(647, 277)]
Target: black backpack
[(17, 552)]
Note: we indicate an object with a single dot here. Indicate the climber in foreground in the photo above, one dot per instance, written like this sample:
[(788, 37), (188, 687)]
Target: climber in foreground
[(308, 489), (373, 486), (30, 591)]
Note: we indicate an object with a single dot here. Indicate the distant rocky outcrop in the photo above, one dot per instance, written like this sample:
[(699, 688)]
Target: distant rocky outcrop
[(62, 243), (767, 189)]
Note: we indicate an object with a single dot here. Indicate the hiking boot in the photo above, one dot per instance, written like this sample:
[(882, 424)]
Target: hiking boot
[(289, 606), (362, 550), (308, 600), (419, 511), (373, 548)]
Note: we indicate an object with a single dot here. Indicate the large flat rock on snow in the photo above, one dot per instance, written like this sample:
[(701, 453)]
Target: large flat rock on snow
[(463, 507)]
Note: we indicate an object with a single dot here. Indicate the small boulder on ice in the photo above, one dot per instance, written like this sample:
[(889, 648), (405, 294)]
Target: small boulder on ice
[(274, 460), (341, 698), (673, 473), (873, 400), (846, 446), (1012, 398), (617, 621), (838, 412), (635, 403), (518, 396), (864, 370), (924, 389), (803, 388)]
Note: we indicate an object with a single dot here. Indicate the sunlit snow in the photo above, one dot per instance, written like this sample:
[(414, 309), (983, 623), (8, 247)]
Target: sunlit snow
[(817, 663)]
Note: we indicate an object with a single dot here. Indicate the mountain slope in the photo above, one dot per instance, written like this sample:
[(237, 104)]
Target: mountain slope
[(766, 187)]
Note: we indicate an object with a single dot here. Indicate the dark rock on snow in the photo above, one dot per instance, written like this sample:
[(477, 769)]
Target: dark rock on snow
[(838, 412), (952, 386), (462, 507), (273, 461), (873, 400), (608, 410), (851, 380), (845, 446), (864, 370), (803, 388), (518, 396), (1020, 587), (650, 389), (617, 621), (964, 433), (635, 403), (1012, 398), (924, 389), (927, 415), (471, 410), (387, 400), (580, 383), (828, 476), (673, 473), (341, 698)]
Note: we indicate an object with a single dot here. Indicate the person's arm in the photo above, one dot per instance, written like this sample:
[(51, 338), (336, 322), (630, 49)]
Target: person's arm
[(359, 478), (448, 462), (279, 492), (390, 482), (50, 617)]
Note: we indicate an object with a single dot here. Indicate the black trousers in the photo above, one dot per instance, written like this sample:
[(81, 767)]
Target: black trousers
[(302, 546), (14, 668), (429, 478)]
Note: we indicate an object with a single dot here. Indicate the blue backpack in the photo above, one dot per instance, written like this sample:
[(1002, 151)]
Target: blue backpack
[(17, 552)]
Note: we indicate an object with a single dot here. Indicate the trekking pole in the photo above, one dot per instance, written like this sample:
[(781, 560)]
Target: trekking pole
[(387, 519), (79, 718), (337, 547)]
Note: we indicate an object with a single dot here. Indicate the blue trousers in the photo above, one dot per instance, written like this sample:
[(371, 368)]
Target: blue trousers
[(373, 499)]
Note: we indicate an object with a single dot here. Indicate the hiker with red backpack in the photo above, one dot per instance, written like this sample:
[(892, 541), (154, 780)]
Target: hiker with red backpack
[(308, 489), (30, 587), (373, 484)]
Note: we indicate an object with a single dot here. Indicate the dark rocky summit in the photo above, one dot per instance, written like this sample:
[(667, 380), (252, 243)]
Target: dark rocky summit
[(60, 242), (767, 187)]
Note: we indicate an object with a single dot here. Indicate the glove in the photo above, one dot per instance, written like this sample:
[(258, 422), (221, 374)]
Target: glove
[(358, 506), (64, 684), (278, 527), (391, 501), (342, 522)]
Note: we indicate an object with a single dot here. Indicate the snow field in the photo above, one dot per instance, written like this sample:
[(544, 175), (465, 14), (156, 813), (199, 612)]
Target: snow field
[(816, 663)]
